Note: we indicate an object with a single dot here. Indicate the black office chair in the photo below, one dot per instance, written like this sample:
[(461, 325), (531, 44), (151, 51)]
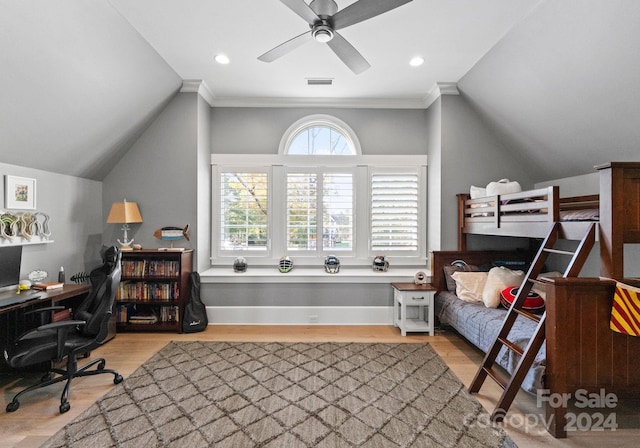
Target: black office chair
[(88, 330)]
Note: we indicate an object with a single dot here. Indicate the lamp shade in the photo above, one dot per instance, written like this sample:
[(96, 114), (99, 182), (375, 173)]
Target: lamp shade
[(124, 213)]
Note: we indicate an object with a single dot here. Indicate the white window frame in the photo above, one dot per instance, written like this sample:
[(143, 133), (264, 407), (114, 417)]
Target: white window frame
[(318, 120), (319, 253), (278, 165), (217, 171), (421, 171)]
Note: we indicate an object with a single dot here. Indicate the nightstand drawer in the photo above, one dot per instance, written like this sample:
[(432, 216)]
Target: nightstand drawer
[(416, 299)]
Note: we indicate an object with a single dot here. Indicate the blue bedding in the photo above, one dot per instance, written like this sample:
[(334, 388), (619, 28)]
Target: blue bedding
[(480, 326)]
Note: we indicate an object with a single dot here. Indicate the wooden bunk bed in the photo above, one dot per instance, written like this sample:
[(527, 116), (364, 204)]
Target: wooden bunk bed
[(526, 214), (582, 353)]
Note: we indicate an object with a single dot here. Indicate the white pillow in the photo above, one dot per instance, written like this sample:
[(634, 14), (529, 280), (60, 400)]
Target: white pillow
[(498, 279), (477, 192), (503, 186), (469, 285)]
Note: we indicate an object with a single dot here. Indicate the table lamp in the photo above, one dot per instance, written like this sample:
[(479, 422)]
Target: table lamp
[(124, 213)]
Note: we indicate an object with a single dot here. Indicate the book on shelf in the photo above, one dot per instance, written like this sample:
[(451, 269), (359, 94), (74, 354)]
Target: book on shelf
[(47, 286), (141, 319)]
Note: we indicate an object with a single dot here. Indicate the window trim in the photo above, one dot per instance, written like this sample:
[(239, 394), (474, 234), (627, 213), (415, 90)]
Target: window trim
[(277, 165), (319, 120), (216, 203), (320, 251), (422, 208)]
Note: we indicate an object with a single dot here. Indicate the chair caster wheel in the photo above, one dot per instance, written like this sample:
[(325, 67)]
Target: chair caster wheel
[(64, 407), (13, 406), (101, 365), (118, 379), (46, 377)]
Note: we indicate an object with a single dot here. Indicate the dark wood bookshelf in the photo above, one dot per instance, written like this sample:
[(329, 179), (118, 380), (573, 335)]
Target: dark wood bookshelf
[(154, 285)]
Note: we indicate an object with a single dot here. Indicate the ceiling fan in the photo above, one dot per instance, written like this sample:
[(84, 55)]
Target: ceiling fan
[(324, 19)]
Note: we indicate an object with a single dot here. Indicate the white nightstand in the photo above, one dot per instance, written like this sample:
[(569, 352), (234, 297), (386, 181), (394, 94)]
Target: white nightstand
[(413, 307)]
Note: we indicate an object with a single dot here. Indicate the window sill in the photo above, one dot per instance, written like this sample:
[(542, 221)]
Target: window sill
[(308, 275)]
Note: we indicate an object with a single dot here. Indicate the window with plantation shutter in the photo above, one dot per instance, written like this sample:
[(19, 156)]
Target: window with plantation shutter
[(319, 204), (244, 211), (302, 222), (337, 217), (394, 212)]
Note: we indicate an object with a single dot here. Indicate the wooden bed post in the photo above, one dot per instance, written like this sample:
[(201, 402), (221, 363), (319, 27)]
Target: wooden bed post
[(462, 237), (619, 214)]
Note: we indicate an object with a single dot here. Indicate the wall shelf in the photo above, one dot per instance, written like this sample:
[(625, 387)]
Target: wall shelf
[(22, 242)]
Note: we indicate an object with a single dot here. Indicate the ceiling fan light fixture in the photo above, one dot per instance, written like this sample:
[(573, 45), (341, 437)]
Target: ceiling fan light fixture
[(322, 34)]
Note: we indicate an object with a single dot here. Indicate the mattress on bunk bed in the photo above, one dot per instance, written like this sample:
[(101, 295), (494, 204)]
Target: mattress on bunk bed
[(480, 326), (592, 214)]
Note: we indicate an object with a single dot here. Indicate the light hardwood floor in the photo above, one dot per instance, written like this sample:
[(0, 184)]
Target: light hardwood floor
[(38, 417)]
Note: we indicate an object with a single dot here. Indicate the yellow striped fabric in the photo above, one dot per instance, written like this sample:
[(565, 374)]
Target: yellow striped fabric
[(625, 312)]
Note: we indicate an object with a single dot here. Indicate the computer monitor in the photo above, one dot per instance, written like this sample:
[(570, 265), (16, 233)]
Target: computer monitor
[(10, 259)]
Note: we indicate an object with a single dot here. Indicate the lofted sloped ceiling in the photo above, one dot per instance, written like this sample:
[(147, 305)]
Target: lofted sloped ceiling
[(78, 84), (81, 79), (563, 87)]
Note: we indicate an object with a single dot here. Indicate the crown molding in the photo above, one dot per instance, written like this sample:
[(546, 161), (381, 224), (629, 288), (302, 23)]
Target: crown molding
[(365, 103), (200, 87), (448, 88), (438, 89)]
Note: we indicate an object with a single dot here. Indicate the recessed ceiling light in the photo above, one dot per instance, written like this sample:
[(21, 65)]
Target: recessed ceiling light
[(222, 59), (416, 62)]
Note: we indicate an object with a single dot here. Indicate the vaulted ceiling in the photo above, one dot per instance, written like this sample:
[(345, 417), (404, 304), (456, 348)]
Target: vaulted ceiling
[(81, 79)]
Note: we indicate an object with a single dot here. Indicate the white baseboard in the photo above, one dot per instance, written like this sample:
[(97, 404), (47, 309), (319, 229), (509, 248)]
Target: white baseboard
[(303, 315)]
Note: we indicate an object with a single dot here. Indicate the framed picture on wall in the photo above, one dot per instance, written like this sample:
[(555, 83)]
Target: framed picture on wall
[(19, 193)]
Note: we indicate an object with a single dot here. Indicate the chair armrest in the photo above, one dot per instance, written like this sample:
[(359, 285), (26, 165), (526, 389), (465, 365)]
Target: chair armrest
[(61, 324), (61, 328), (40, 310)]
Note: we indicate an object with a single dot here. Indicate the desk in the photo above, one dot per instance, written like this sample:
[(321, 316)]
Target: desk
[(13, 322)]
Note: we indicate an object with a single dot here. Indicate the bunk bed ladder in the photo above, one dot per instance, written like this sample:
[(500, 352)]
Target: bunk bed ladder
[(510, 385)]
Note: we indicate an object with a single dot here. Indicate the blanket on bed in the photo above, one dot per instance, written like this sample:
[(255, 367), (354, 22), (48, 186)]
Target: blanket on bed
[(625, 312), (480, 326)]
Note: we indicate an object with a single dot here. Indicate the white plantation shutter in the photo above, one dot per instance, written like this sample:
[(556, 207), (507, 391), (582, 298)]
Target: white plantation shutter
[(243, 211), (337, 219), (394, 212), (302, 195), (306, 193)]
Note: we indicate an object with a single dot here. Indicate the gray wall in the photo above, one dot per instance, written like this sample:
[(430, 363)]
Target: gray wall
[(259, 130), (75, 207), (295, 294), (472, 155), (160, 173)]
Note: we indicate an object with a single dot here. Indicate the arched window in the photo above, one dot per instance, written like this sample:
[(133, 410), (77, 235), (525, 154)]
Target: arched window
[(320, 135)]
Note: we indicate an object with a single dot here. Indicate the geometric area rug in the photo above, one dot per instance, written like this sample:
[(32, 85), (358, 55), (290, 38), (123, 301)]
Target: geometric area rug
[(245, 394)]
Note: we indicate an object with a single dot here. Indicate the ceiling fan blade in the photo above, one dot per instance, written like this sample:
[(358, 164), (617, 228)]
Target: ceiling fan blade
[(285, 47), (302, 9), (363, 10), (348, 54)]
